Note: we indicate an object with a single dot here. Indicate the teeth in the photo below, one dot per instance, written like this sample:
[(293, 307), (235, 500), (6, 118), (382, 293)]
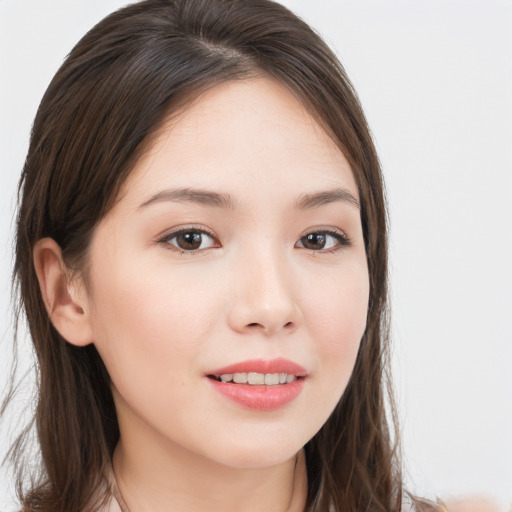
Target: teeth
[(255, 378), (271, 379), (240, 378), (258, 379)]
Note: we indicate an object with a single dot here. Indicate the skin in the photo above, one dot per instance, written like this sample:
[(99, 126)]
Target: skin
[(162, 317), (474, 504)]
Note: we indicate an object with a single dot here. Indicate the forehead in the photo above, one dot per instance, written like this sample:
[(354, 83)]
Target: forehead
[(241, 134)]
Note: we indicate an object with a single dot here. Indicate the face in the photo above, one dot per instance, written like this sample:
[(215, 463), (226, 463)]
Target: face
[(234, 253)]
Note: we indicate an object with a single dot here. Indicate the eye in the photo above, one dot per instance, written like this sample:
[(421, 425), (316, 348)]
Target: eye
[(189, 240), (326, 240)]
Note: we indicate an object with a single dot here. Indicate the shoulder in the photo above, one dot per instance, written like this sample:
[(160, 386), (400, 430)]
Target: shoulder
[(463, 504), (473, 504)]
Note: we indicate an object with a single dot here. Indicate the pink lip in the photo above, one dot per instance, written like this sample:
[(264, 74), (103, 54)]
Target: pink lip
[(260, 398), (278, 365)]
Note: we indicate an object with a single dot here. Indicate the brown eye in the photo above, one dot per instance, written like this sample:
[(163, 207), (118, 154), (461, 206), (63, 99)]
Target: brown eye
[(189, 240), (315, 241), (323, 241)]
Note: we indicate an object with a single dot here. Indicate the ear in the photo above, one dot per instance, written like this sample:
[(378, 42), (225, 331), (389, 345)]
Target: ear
[(65, 298)]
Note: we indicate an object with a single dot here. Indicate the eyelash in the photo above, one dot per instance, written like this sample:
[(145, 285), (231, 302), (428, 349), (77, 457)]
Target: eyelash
[(166, 240), (342, 240)]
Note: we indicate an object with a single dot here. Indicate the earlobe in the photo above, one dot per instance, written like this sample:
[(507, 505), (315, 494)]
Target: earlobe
[(65, 298)]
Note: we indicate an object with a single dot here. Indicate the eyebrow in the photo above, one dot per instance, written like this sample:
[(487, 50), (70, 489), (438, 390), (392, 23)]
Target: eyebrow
[(218, 200), (306, 201), (204, 197)]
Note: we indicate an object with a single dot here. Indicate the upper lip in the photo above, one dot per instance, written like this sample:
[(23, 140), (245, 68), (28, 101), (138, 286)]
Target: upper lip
[(278, 365)]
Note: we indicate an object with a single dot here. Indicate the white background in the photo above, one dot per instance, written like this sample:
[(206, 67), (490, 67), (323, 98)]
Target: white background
[(435, 79)]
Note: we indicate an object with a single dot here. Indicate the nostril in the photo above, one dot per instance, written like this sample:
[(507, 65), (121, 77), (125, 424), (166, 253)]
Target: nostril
[(271, 327), (287, 325)]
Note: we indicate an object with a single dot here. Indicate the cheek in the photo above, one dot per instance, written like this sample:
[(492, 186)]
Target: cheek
[(151, 321), (339, 300), (338, 320), (342, 319)]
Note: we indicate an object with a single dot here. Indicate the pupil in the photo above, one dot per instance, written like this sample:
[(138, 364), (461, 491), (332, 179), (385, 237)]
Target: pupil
[(315, 241), (189, 240)]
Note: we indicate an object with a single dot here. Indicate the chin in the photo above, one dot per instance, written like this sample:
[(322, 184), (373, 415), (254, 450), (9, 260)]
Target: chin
[(258, 453)]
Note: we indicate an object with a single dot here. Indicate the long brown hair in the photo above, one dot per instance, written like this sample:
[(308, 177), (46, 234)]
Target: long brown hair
[(120, 82)]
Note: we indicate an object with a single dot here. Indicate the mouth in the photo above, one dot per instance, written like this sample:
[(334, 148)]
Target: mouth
[(260, 372), (259, 384), (256, 379)]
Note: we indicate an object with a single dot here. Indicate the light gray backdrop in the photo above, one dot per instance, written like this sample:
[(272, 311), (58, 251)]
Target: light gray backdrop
[(435, 79)]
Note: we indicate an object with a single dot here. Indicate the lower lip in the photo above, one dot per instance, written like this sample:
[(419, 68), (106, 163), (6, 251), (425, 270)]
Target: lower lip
[(260, 398)]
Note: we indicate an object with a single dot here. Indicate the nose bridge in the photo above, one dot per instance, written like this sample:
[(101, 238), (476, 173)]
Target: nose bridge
[(265, 297)]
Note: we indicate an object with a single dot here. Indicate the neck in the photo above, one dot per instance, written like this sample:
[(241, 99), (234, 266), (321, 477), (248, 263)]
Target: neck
[(172, 478)]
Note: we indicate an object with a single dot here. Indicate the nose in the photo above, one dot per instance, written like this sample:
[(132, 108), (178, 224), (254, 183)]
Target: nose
[(265, 296)]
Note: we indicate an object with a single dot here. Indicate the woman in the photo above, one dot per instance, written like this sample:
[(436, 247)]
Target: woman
[(201, 256)]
